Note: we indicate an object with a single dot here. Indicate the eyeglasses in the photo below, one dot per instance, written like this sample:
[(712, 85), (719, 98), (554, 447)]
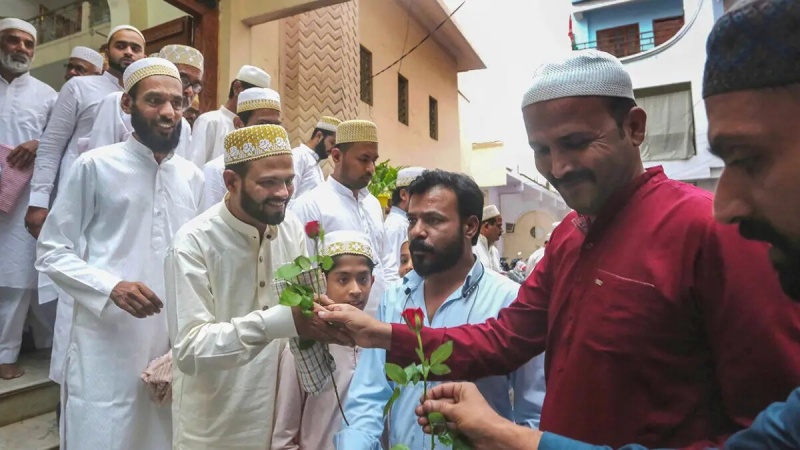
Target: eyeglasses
[(196, 87), (79, 69)]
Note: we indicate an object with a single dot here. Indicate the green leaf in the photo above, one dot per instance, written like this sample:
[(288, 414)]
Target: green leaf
[(290, 297), (436, 418), (400, 447), (326, 262), (396, 373), (288, 271), (444, 438), (420, 355), (303, 262), (388, 406), (441, 354), (417, 375), (307, 313), (440, 369), (460, 442), (306, 304), (410, 371)]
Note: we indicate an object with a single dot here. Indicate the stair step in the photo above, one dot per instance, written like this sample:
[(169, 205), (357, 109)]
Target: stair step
[(36, 433), (30, 395)]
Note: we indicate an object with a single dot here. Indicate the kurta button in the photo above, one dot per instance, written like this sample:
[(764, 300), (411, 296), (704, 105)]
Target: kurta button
[(262, 284)]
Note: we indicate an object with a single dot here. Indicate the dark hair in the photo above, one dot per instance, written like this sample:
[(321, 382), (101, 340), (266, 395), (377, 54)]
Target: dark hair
[(396, 196), (245, 115), (469, 198), (370, 264), (492, 221), (133, 90), (325, 133), (345, 146), (245, 85), (240, 168), (619, 107)]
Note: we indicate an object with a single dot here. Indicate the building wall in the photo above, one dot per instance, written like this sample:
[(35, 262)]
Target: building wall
[(430, 72), (642, 13)]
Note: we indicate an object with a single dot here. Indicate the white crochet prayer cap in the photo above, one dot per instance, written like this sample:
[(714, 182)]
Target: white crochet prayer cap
[(582, 73), (85, 53), (125, 27), (148, 67), (328, 123), (490, 212), (18, 24), (258, 98), (254, 76), (182, 54), (408, 174), (347, 242)]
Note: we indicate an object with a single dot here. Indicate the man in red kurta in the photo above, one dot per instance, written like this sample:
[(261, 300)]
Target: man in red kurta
[(644, 304)]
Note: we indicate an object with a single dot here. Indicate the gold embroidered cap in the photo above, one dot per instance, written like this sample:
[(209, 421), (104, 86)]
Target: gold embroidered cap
[(328, 123), (490, 212), (182, 54), (12, 23), (255, 76), (258, 98), (88, 55), (119, 28), (258, 141), (356, 131), (148, 67), (347, 242), (406, 175)]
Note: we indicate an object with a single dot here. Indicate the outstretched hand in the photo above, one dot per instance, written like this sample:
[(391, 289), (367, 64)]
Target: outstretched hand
[(366, 331)]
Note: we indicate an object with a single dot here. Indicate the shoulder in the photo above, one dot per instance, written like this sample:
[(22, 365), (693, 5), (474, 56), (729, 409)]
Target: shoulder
[(502, 287), (185, 167), (42, 87), (206, 118), (188, 236)]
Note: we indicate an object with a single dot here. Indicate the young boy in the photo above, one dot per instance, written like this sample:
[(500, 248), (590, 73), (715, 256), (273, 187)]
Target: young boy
[(309, 422), (405, 259)]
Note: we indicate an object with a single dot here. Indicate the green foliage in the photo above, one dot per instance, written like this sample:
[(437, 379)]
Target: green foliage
[(442, 353), (388, 406), (400, 447), (384, 180), (326, 262), (396, 374), (440, 369)]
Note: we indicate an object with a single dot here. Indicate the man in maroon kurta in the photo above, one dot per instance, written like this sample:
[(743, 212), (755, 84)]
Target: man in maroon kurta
[(643, 302)]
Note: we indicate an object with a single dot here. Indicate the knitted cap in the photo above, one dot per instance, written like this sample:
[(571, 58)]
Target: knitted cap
[(258, 98), (182, 54), (148, 67), (88, 55), (356, 131), (258, 141), (18, 24)]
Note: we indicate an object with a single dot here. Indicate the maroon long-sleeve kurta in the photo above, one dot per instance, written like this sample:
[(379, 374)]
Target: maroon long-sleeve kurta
[(661, 326)]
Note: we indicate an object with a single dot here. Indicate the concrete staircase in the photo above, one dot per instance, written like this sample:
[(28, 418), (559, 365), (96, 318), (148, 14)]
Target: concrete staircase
[(28, 405)]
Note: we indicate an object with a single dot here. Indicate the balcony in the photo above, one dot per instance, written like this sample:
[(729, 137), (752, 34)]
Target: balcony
[(70, 19), (627, 40)]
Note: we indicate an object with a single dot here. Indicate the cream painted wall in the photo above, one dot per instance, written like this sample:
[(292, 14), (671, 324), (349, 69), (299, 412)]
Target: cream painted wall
[(430, 72), (521, 241), (234, 44), (149, 13)]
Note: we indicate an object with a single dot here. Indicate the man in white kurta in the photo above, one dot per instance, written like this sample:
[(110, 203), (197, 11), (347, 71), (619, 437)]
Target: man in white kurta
[(396, 223), (226, 325), (254, 106), (209, 130), (83, 61), (344, 203), (125, 201), (307, 171), (491, 230), (22, 123)]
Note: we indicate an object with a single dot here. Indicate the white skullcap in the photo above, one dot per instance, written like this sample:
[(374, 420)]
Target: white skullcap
[(328, 123), (490, 212), (258, 98), (18, 24), (583, 73), (182, 54), (125, 27), (347, 242), (148, 67), (254, 76), (408, 174), (88, 55)]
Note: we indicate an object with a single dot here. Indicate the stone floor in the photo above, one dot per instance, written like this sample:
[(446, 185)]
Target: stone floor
[(32, 394)]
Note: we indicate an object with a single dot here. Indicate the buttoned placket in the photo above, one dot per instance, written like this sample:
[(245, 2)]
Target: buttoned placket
[(11, 97), (160, 205), (264, 266)]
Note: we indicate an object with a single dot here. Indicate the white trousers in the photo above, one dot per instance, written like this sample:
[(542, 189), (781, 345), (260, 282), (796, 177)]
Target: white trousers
[(14, 306)]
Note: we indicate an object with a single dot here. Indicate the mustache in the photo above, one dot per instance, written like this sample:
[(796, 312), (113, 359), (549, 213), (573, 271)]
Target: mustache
[(418, 245), (757, 230), (574, 177)]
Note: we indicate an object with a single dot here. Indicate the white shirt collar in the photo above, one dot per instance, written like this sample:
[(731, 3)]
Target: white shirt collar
[(111, 78), (345, 191), (246, 229), (142, 150), (227, 112), (310, 151)]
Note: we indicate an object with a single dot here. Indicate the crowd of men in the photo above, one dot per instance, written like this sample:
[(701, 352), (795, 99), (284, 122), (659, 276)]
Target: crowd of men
[(144, 248)]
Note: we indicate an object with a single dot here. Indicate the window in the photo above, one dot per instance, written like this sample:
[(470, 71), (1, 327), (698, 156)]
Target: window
[(670, 122), (433, 118), (402, 99), (619, 41), (665, 29), (366, 76)]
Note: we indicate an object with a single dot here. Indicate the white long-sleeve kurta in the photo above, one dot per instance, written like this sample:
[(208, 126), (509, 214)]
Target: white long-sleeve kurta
[(489, 255), (126, 208), (336, 208), (396, 226), (112, 125), (309, 422), (215, 189), (71, 120), (21, 120), (208, 135), (307, 172), (226, 328)]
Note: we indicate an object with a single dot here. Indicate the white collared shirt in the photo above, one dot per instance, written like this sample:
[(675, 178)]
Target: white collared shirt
[(307, 172), (489, 255), (208, 135), (396, 225)]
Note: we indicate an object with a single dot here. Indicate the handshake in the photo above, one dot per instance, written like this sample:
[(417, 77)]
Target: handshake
[(342, 324)]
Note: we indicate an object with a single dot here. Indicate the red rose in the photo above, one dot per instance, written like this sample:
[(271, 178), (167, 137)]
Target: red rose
[(312, 229), (414, 318)]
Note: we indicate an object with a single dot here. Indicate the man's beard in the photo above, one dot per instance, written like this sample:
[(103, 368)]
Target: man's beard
[(321, 151), (145, 132), (438, 260), (118, 67), (255, 209), (788, 263), (16, 63)]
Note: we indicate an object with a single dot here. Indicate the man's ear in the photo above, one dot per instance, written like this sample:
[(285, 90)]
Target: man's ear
[(237, 122), (230, 177), (237, 88), (126, 103), (472, 227), (336, 155)]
